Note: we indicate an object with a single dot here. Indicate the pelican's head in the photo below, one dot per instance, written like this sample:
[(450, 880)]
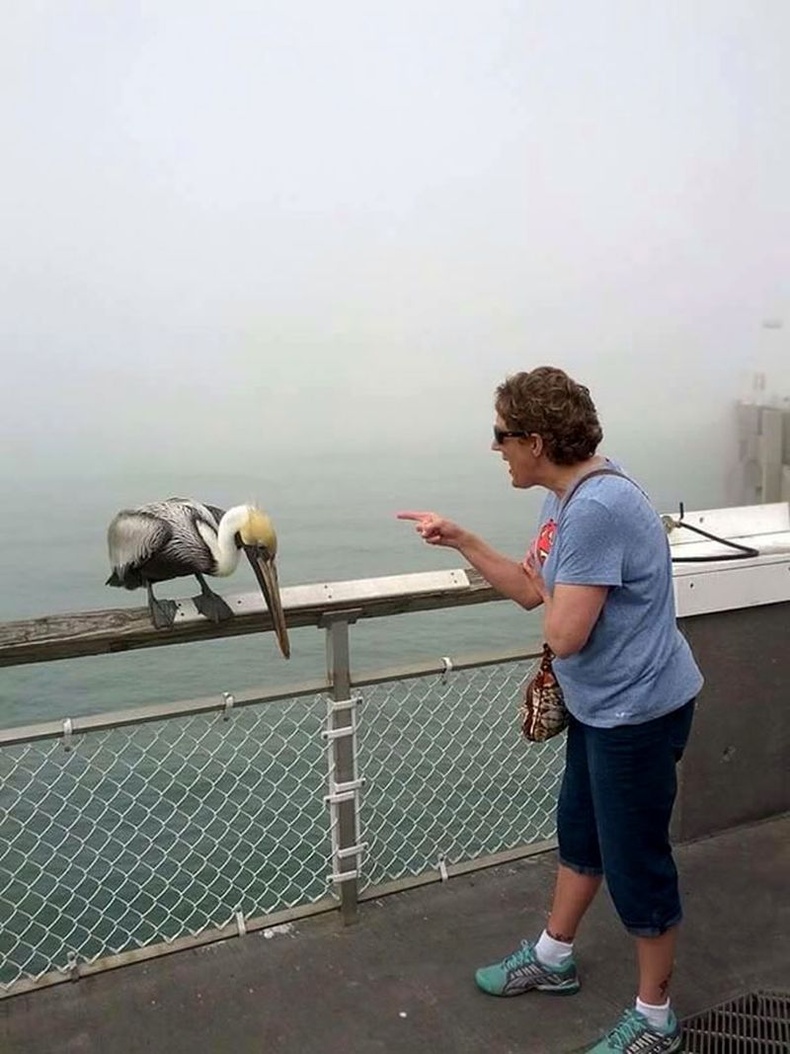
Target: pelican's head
[(258, 539), (258, 530)]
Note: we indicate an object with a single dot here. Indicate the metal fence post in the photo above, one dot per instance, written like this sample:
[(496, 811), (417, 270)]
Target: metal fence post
[(344, 783)]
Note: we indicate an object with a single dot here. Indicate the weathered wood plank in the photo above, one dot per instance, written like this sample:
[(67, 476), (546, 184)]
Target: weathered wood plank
[(85, 633)]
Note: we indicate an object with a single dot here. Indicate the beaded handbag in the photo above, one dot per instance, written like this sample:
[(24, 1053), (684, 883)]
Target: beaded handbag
[(543, 712)]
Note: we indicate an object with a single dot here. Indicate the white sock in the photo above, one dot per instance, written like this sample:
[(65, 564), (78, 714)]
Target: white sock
[(658, 1016), (551, 952)]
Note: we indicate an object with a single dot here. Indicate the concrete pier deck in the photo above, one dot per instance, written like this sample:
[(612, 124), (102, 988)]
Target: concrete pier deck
[(400, 980)]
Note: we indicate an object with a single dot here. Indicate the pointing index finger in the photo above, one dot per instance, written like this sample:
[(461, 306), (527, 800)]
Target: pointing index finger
[(411, 515)]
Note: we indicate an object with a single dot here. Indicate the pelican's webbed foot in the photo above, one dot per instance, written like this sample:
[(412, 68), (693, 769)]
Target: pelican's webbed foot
[(210, 604), (163, 612)]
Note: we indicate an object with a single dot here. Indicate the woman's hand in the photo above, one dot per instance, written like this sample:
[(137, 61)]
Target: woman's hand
[(435, 529), (506, 575), (534, 573)]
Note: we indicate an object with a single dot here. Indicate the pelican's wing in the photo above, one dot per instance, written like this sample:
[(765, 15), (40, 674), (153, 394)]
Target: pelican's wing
[(134, 535), (162, 540), (215, 512), (183, 511)]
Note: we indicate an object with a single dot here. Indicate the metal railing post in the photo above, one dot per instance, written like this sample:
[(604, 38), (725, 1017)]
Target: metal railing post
[(344, 783)]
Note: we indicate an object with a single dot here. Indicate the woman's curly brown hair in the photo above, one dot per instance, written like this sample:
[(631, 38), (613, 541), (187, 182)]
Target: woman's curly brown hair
[(549, 402)]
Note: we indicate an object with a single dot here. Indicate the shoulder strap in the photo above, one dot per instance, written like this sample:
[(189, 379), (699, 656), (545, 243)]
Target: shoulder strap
[(589, 475), (583, 479)]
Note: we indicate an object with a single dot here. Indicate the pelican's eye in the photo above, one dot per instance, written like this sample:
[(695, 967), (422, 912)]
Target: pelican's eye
[(257, 548)]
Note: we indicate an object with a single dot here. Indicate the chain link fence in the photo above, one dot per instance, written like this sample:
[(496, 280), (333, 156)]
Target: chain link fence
[(166, 829), (448, 777)]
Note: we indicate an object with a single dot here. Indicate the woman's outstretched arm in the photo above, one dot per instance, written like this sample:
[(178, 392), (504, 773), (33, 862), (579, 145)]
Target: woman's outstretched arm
[(507, 576)]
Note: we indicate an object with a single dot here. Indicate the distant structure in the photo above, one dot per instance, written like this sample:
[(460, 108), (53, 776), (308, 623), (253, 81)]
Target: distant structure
[(763, 470)]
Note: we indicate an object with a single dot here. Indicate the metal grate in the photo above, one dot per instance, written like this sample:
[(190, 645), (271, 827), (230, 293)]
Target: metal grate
[(757, 1023)]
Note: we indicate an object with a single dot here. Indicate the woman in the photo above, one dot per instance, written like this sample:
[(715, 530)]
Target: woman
[(601, 568)]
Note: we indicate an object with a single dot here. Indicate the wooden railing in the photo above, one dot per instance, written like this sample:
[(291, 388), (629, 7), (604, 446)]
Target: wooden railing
[(84, 633)]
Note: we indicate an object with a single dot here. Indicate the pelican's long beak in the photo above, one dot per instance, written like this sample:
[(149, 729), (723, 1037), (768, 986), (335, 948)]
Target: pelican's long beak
[(266, 572)]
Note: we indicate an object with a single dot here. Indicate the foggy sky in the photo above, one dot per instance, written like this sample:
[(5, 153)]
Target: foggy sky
[(231, 228)]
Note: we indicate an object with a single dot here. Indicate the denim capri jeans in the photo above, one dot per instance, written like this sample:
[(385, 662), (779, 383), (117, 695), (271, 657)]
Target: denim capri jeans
[(613, 814)]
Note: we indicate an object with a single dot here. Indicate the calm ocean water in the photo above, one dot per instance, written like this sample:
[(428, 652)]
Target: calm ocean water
[(335, 521)]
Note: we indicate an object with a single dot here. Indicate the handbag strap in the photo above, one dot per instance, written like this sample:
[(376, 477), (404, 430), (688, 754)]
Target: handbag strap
[(589, 475)]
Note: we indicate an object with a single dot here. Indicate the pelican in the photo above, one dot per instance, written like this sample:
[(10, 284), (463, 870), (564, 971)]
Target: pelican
[(170, 539)]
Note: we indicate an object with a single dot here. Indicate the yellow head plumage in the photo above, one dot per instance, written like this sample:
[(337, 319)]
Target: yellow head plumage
[(258, 530)]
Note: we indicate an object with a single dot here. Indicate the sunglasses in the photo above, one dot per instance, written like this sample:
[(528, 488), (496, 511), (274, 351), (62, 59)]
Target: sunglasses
[(501, 434)]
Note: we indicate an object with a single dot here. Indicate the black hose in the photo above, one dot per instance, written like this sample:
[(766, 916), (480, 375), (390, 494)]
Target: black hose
[(745, 552)]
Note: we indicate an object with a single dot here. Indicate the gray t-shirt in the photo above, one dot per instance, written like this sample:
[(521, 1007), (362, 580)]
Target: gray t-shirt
[(636, 665)]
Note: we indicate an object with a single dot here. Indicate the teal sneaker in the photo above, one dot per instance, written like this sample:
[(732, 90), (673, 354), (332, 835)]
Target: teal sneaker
[(521, 972), (633, 1034)]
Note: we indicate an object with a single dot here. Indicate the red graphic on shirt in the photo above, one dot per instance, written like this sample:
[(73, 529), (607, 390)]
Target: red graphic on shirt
[(541, 546)]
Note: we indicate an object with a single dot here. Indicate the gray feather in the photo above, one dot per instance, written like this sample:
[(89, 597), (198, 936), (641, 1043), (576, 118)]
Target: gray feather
[(159, 541)]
